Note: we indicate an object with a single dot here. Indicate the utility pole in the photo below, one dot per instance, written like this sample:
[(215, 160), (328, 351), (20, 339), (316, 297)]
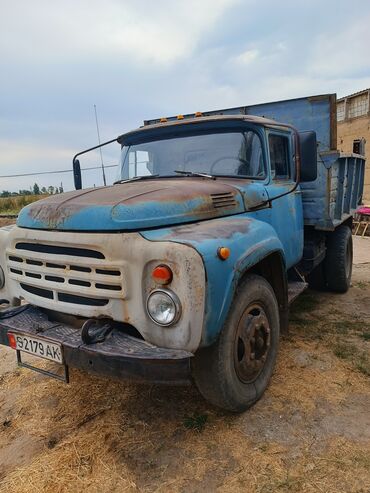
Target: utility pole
[(101, 154)]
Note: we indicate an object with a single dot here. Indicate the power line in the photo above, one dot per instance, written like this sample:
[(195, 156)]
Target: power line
[(58, 171)]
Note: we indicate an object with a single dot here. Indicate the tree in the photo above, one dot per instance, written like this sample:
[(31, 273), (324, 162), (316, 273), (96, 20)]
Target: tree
[(36, 189), (44, 191), (51, 190)]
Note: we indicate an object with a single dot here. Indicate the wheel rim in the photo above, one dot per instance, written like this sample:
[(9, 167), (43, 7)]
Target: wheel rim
[(252, 343)]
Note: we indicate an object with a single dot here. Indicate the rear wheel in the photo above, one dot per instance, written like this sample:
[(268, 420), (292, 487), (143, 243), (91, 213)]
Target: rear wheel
[(234, 372), (316, 279), (338, 260)]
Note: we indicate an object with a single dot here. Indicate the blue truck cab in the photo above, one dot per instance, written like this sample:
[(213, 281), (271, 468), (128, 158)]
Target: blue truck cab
[(184, 269)]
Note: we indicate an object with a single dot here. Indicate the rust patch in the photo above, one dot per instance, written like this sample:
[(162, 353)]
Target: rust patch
[(173, 190), (54, 210), (255, 198), (51, 214), (210, 230)]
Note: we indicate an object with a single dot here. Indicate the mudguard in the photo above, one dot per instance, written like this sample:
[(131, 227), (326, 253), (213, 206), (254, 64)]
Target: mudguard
[(249, 240)]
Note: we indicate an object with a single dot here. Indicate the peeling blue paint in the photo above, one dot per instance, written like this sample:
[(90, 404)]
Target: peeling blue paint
[(249, 240)]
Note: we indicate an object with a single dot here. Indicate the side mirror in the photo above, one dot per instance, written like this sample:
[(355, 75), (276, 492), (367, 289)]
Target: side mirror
[(308, 146), (77, 174)]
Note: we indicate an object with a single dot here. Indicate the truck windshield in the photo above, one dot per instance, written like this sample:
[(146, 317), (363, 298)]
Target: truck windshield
[(234, 153)]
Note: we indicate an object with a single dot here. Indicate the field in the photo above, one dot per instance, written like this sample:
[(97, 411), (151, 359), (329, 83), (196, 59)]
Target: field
[(12, 205), (309, 433)]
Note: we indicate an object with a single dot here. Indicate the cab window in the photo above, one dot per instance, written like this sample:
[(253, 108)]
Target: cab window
[(140, 163), (279, 157), (221, 153)]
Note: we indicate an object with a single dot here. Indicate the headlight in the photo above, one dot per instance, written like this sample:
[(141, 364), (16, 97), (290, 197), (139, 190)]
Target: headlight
[(163, 307), (2, 278)]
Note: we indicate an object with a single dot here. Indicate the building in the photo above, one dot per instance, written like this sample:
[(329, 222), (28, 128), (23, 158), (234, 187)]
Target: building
[(353, 131)]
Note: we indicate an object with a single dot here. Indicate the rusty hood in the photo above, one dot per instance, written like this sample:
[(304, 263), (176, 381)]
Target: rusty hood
[(135, 205)]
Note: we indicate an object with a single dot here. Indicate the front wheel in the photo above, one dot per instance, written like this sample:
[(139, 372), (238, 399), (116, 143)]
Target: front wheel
[(234, 372)]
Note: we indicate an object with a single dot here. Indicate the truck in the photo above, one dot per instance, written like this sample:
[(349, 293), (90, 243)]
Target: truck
[(183, 271)]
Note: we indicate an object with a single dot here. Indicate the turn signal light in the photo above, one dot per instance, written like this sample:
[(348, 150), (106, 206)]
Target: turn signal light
[(223, 253), (162, 274), (12, 341)]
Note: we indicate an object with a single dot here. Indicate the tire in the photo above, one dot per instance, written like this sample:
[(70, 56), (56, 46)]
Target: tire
[(234, 372), (338, 260), (316, 278)]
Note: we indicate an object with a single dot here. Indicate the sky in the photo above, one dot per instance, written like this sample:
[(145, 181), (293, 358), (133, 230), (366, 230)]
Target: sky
[(139, 59)]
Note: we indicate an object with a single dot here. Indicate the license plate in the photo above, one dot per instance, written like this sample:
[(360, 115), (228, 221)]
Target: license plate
[(39, 347)]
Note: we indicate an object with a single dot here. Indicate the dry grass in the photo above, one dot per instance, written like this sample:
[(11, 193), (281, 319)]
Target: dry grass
[(12, 205), (309, 433), (109, 437)]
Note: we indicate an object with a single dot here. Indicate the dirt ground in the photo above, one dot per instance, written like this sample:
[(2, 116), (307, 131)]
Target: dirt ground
[(6, 221), (309, 433)]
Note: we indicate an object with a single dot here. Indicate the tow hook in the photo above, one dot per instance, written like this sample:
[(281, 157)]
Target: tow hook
[(94, 330)]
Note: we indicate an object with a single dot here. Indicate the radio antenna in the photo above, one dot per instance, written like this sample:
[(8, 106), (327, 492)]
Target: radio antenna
[(101, 154)]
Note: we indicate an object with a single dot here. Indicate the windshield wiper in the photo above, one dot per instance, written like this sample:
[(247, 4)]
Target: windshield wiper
[(194, 173), (135, 178)]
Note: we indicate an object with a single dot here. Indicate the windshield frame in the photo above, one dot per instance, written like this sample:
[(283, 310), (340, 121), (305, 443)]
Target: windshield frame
[(202, 128)]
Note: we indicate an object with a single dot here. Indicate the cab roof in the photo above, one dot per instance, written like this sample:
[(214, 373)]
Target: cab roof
[(172, 124)]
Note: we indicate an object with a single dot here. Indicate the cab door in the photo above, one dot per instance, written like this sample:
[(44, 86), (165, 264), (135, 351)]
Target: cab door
[(286, 215)]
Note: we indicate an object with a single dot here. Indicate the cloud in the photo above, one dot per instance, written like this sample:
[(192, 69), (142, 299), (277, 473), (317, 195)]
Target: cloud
[(247, 57), (343, 53), (157, 32), (138, 59), (16, 154)]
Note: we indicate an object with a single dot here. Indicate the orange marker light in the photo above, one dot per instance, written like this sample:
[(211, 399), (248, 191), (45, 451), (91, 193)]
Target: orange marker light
[(12, 341), (223, 253), (180, 117), (163, 120), (198, 113), (162, 274)]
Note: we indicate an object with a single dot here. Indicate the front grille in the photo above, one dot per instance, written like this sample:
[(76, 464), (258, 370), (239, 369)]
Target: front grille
[(81, 300), (65, 273), (67, 298), (44, 293), (59, 250), (222, 200)]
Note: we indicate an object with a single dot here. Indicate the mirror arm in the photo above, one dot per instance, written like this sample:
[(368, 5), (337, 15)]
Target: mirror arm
[(93, 148), (76, 163)]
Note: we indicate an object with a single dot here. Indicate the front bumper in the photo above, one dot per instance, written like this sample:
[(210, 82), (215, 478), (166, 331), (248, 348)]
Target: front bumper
[(120, 355)]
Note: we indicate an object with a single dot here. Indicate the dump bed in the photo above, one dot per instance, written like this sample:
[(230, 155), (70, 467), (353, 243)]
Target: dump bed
[(337, 191)]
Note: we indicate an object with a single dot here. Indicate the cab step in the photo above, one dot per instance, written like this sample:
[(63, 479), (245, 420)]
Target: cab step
[(295, 288)]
